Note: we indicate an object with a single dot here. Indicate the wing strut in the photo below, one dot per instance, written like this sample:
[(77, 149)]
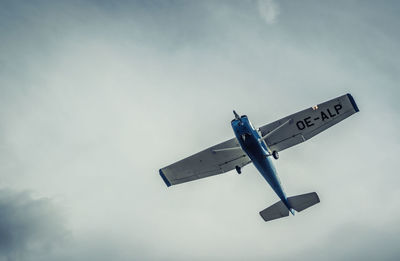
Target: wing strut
[(274, 130), (227, 149)]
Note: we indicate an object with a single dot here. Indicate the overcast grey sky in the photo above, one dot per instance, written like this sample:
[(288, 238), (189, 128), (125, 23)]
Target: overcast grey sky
[(96, 96)]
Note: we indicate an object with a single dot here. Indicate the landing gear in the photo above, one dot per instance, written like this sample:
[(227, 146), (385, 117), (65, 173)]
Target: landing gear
[(238, 169), (275, 154)]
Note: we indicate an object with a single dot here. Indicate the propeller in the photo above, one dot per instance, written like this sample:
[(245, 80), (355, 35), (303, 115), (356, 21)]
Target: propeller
[(237, 117)]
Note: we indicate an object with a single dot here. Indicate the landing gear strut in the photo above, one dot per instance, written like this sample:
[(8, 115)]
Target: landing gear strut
[(238, 169), (275, 154)]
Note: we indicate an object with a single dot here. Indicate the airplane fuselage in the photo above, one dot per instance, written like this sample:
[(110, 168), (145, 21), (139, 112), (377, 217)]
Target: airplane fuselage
[(257, 151), (259, 146)]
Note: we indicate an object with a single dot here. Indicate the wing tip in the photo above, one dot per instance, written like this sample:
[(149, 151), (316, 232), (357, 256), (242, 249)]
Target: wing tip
[(164, 178), (353, 102)]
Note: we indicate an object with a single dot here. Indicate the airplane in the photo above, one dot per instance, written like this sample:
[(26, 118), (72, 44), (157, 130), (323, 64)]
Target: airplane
[(257, 146)]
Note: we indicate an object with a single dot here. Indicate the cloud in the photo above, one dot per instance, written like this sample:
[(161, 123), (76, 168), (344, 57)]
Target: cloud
[(28, 227), (34, 229), (353, 241), (269, 10), (99, 98)]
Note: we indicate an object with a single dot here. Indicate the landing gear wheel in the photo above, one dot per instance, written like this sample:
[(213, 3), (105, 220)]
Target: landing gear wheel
[(238, 169), (275, 154)]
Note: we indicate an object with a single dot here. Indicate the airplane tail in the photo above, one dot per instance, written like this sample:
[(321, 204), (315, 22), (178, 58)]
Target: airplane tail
[(298, 203)]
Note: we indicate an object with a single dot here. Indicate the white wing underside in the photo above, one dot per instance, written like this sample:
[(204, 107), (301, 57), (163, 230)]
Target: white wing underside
[(215, 160), (303, 125)]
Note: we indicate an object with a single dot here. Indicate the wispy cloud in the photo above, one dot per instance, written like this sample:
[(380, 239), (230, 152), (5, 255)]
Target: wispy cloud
[(269, 10)]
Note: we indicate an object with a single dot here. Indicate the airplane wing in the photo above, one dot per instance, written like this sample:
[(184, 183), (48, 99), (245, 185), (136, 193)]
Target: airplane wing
[(215, 160), (303, 125)]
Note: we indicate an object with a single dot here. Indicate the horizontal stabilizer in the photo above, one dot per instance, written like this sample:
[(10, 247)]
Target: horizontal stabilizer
[(275, 211), (298, 203), (301, 202)]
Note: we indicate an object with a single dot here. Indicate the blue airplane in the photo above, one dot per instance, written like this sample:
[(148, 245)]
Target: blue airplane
[(258, 145)]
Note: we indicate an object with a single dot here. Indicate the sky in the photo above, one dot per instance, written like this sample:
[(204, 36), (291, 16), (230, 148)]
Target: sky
[(96, 96)]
